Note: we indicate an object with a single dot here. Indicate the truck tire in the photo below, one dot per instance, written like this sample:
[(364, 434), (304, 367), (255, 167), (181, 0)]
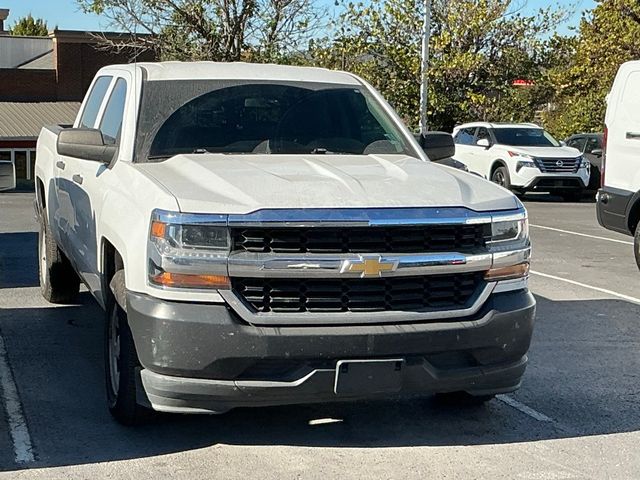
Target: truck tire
[(636, 245), (501, 176), (121, 361), (59, 283)]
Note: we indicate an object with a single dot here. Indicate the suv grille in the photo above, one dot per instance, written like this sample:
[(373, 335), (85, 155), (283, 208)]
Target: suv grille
[(424, 239), (358, 295), (558, 165)]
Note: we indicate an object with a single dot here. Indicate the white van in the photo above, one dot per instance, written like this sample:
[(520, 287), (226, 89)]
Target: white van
[(619, 198)]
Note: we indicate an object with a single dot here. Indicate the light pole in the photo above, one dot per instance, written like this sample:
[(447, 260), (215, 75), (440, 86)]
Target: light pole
[(426, 35)]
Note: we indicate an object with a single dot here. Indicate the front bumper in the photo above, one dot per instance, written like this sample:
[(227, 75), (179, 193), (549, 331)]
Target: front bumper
[(531, 179), (203, 358)]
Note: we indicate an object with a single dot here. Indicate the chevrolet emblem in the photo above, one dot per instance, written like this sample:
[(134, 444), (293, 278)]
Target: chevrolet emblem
[(368, 266)]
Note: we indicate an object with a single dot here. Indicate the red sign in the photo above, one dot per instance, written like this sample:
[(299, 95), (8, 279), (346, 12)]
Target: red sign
[(521, 82)]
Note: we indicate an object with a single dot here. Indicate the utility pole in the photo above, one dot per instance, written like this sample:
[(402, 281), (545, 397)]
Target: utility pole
[(426, 35)]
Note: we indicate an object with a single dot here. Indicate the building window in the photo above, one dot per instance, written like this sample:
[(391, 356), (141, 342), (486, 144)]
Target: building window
[(24, 161)]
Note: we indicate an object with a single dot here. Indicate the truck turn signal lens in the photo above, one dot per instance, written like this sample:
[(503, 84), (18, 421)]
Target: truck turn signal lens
[(507, 273), (182, 280), (158, 229)]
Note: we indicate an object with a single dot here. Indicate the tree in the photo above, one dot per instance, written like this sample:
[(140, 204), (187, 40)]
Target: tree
[(222, 30), (608, 36), (30, 27), (478, 47)]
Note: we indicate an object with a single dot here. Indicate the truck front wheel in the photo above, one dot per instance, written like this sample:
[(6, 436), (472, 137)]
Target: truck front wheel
[(121, 361), (59, 283)]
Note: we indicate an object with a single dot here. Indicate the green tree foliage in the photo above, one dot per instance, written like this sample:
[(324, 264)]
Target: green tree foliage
[(29, 26), (478, 47), (608, 36), (222, 30)]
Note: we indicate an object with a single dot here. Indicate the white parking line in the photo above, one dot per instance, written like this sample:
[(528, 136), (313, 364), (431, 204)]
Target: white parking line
[(628, 298), (596, 237), (512, 402), (22, 446)]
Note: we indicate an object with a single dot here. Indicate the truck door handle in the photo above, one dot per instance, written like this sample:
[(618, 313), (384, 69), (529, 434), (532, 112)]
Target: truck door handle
[(633, 135), (60, 164), (78, 179)]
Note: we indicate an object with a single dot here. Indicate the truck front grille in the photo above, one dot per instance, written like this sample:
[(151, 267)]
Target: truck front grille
[(558, 165), (423, 239), (422, 293)]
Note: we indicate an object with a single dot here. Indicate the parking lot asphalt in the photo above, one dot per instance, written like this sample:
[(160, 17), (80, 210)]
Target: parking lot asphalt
[(576, 416)]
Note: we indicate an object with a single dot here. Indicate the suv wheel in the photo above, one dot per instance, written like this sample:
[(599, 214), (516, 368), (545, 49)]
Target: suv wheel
[(59, 283), (501, 176), (121, 362)]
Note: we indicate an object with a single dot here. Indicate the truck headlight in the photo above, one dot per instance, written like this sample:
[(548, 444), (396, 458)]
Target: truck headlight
[(511, 248), (188, 251)]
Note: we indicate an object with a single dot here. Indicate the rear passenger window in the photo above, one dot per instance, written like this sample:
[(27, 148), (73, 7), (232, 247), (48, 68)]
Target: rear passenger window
[(91, 108), (465, 136), (111, 123)]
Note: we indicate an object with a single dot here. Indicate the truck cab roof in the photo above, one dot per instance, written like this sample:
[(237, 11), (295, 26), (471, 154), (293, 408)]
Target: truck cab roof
[(235, 71)]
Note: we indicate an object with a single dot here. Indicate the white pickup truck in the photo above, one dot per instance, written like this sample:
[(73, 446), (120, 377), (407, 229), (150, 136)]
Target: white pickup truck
[(264, 235)]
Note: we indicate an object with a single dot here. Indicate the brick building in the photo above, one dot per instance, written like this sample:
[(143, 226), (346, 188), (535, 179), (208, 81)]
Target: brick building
[(43, 81)]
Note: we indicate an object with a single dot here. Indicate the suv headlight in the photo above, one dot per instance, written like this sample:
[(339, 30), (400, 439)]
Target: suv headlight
[(584, 163), (188, 251)]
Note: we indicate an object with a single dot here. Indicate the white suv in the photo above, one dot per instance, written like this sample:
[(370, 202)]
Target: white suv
[(521, 157)]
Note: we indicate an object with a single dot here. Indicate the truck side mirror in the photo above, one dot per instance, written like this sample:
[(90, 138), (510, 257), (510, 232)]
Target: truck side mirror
[(437, 145), (85, 144)]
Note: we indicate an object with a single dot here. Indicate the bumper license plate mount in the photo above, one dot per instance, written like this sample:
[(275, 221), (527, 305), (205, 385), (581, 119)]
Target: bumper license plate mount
[(357, 377)]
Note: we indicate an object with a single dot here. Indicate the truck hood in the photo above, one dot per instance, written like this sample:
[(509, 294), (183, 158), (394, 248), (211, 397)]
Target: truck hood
[(547, 152), (239, 184)]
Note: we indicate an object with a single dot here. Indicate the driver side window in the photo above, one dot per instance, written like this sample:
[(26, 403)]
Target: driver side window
[(483, 134)]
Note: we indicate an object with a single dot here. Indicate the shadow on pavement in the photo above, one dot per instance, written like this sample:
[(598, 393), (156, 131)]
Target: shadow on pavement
[(18, 260)]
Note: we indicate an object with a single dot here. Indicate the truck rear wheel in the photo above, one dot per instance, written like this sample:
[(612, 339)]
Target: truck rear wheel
[(59, 283), (121, 361)]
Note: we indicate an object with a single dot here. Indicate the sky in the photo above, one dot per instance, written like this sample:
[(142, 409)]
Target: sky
[(66, 15)]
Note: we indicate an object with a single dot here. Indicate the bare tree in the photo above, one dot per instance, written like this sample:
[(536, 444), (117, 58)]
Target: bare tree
[(223, 30)]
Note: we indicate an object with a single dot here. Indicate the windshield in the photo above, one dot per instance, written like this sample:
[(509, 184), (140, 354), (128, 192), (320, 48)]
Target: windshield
[(525, 137), (272, 118)]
